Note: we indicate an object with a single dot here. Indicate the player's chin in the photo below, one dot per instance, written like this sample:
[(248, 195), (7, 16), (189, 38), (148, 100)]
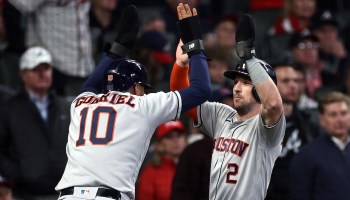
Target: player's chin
[(237, 104)]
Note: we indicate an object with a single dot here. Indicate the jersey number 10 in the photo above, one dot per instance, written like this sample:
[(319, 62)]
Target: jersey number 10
[(112, 114)]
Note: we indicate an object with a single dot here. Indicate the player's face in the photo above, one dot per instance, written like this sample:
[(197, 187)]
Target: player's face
[(38, 79), (243, 99), (173, 143), (336, 119), (288, 87)]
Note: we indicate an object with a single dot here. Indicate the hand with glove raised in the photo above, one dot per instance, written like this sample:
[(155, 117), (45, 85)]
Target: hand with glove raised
[(245, 37), (189, 30), (126, 34)]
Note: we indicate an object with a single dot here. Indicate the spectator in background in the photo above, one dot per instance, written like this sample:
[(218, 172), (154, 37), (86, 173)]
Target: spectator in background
[(304, 102), (346, 82), (223, 37), (33, 131), (192, 176), (304, 50), (296, 16), (11, 44), (332, 51), (5, 189), (63, 28), (300, 130), (152, 49), (169, 14), (321, 169), (154, 23), (256, 5), (155, 180), (5, 93), (220, 61), (223, 95), (102, 24)]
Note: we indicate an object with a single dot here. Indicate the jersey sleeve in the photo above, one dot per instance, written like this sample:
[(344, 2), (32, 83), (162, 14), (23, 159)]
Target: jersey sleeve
[(179, 80), (272, 135), (161, 107), (212, 114)]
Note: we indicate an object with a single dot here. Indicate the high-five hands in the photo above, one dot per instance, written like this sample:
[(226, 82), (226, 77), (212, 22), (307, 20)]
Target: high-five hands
[(184, 11), (181, 58), (189, 30)]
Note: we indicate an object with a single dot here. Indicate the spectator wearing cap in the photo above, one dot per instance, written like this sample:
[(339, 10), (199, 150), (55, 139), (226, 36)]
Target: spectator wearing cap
[(152, 49), (33, 130), (155, 180), (61, 26), (223, 95), (332, 50), (5, 189), (304, 50)]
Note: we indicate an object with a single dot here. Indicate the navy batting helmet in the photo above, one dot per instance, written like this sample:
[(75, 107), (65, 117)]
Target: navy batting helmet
[(241, 70), (125, 74)]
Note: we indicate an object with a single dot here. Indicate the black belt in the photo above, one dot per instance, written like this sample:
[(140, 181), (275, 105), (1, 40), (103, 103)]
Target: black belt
[(102, 192)]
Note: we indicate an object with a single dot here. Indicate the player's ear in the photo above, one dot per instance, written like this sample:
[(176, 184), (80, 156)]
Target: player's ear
[(139, 90)]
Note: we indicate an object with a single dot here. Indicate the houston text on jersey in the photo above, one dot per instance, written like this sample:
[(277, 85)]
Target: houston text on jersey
[(232, 145)]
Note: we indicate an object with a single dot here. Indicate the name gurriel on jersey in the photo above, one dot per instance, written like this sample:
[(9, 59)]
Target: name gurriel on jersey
[(115, 99)]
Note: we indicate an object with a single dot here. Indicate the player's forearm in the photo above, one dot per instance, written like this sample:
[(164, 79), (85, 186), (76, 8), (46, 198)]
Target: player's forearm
[(268, 93), (200, 88), (96, 79), (179, 80), (179, 77)]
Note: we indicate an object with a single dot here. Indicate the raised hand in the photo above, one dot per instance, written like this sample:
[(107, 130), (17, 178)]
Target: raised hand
[(189, 30), (184, 11), (181, 58)]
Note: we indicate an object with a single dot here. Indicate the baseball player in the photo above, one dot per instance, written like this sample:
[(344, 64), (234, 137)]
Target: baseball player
[(110, 132), (248, 136)]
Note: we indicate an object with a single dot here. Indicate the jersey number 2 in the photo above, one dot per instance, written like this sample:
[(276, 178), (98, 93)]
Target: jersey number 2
[(112, 114), (232, 171)]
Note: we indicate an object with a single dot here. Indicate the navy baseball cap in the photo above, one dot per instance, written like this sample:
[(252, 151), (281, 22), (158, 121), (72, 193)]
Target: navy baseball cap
[(158, 43), (325, 17)]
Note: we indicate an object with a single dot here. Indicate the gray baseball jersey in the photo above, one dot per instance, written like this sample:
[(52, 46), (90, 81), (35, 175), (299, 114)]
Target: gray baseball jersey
[(109, 136), (244, 152)]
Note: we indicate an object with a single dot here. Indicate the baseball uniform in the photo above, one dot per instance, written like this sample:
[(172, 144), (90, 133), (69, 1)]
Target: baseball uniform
[(244, 152), (123, 124)]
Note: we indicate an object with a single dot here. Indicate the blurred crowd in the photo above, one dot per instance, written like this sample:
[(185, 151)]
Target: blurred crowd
[(49, 47)]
